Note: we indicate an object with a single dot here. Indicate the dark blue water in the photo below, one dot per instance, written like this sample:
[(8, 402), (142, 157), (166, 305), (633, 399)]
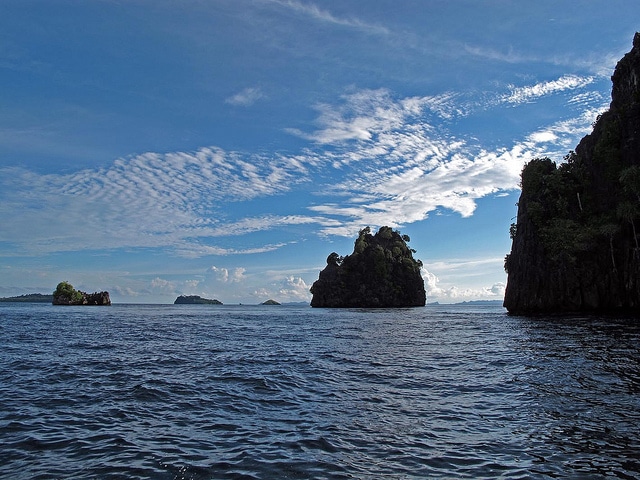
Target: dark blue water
[(209, 392)]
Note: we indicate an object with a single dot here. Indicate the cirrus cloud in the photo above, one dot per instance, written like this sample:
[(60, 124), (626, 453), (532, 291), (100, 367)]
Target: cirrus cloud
[(246, 97), (375, 159)]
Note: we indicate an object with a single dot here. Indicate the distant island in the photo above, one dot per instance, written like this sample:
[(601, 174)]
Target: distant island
[(65, 294), (29, 298), (380, 273), (480, 302), (575, 243), (195, 300), (270, 302)]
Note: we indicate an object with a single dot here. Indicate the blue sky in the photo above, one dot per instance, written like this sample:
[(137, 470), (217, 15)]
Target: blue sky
[(225, 148)]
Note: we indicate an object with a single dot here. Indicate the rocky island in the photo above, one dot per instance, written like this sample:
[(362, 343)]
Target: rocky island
[(270, 302), (575, 244), (195, 300), (65, 294), (381, 272)]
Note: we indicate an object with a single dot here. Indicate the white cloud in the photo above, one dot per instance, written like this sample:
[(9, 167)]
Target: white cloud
[(222, 274), (287, 289), (452, 293), (160, 285), (267, 222), (364, 115), (125, 291), (526, 94), (498, 289), (294, 289), (225, 275), (543, 136), (237, 275), (311, 10), (398, 168), (246, 97)]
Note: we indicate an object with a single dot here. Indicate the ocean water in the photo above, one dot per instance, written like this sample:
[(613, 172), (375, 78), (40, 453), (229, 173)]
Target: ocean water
[(214, 392)]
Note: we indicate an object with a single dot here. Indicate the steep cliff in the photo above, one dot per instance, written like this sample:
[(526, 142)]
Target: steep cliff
[(381, 272), (575, 244)]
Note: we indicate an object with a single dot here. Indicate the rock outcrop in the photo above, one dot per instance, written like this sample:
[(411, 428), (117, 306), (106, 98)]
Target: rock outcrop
[(270, 302), (195, 300), (381, 272), (65, 294), (575, 244)]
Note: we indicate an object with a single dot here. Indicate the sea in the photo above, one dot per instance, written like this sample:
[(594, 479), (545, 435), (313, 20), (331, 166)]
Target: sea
[(293, 392)]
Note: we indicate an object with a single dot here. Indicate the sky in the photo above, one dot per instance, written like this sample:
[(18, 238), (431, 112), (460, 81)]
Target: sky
[(224, 148)]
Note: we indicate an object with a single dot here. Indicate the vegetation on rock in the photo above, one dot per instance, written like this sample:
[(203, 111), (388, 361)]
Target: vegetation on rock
[(575, 244), (195, 300), (29, 298), (381, 272), (65, 294)]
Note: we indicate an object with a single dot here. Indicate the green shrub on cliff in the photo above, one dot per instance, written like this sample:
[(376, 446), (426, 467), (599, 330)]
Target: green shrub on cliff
[(65, 293)]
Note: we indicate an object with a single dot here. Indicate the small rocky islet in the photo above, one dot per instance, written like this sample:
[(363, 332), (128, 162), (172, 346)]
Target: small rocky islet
[(270, 302), (195, 300), (380, 273), (65, 294)]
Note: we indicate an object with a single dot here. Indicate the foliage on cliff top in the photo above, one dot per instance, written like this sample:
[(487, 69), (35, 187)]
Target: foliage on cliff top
[(65, 293), (593, 198)]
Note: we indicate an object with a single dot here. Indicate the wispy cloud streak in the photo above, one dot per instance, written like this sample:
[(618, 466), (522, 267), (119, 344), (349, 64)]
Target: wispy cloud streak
[(246, 97), (533, 92), (311, 10)]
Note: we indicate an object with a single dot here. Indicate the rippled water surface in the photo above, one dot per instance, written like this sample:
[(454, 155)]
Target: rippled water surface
[(208, 392)]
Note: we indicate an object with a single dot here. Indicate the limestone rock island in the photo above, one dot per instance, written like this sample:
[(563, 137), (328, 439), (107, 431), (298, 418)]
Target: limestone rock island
[(270, 302), (575, 244), (195, 300), (381, 272), (65, 294)]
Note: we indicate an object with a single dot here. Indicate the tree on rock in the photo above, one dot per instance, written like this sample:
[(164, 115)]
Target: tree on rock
[(65, 294)]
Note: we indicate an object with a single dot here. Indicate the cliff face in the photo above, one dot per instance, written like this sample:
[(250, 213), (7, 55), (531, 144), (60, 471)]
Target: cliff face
[(575, 244), (381, 272)]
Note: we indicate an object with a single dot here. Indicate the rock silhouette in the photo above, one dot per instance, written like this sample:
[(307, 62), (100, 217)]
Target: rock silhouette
[(65, 294), (575, 244), (381, 272)]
